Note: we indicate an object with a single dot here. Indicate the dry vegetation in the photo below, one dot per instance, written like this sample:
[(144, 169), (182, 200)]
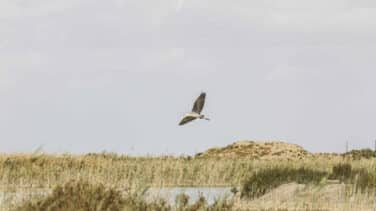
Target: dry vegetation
[(80, 195), (236, 165), (258, 150)]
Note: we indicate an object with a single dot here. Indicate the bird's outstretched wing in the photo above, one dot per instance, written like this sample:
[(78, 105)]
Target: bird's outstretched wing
[(186, 119), (199, 103)]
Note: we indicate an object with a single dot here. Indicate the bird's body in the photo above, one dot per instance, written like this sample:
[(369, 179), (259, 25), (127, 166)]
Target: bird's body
[(196, 110)]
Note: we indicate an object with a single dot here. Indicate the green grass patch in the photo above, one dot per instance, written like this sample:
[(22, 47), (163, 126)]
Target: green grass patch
[(264, 180)]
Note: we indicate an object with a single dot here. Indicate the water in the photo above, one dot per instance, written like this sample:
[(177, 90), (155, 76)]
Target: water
[(169, 194)]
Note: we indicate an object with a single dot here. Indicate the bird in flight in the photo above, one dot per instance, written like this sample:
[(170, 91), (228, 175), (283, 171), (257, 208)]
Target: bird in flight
[(196, 110)]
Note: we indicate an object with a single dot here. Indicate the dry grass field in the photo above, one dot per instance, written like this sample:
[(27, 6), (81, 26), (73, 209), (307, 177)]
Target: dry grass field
[(297, 179)]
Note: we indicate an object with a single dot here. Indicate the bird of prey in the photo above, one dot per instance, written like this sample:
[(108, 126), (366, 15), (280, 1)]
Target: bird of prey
[(196, 110)]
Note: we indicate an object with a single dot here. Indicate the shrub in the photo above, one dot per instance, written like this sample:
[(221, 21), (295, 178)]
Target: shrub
[(361, 178), (221, 205), (200, 204), (181, 200), (78, 196), (362, 153), (364, 180), (234, 190), (341, 171)]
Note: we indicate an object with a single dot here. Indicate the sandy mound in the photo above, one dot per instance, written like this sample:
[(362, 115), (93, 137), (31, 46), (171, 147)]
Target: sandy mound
[(257, 150)]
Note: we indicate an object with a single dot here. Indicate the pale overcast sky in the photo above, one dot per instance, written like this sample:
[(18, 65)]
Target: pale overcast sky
[(83, 76)]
